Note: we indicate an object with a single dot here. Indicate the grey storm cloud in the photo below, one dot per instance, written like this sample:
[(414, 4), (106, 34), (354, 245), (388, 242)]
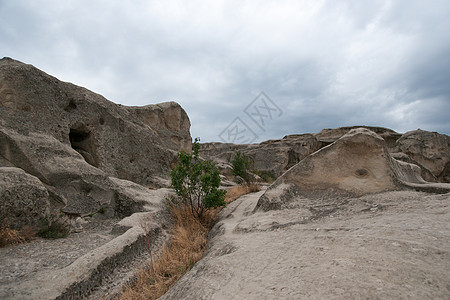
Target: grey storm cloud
[(324, 63)]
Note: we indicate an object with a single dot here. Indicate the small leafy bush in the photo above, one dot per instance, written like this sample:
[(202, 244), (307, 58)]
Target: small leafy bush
[(197, 182), (241, 165), (187, 245)]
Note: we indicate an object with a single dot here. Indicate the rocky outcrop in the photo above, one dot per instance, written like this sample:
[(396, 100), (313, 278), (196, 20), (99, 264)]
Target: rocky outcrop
[(24, 199), (277, 156), (170, 122), (356, 164), (273, 156), (429, 149), (330, 135), (74, 141), (424, 172), (110, 137)]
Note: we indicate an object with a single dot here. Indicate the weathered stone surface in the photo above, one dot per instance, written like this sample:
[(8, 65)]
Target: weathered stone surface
[(277, 156), (75, 267), (80, 186), (24, 199), (170, 122), (274, 156), (429, 149), (131, 197), (390, 245), (342, 223), (424, 172), (330, 135), (74, 141), (118, 140), (356, 164)]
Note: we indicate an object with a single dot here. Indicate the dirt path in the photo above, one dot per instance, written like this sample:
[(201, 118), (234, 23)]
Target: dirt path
[(393, 245)]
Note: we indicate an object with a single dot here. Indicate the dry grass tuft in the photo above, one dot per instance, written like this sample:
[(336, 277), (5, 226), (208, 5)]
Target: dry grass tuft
[(186, 247), (188, 243), (238, 191), (10, 236)]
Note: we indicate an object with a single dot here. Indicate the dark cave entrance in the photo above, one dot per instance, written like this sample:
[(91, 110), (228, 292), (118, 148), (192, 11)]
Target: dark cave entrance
[(81, 140)]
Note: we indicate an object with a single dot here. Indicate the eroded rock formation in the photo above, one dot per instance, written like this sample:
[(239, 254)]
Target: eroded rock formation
[(356, 164), (73, 140), (24, 199), (170, 122), (273, 156), (428, 150)]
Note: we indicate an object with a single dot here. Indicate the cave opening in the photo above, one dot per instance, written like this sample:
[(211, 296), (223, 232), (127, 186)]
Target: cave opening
[(81, 141)]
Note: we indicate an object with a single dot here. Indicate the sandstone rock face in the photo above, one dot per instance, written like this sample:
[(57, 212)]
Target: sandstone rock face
[(356, 164), (342, 223), (170, 122), (74, 141), (274, 156), (328, 136), (429, 149), (424, 172), (24, 199), (277, 156), (110, 137)]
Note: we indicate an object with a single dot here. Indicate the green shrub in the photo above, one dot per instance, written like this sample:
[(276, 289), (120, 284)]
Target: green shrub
[(197, 182), (241, 165)]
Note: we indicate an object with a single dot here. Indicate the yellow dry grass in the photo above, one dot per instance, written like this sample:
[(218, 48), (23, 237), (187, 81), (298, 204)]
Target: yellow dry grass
[(238, 191), (186, 247), (10, 236)]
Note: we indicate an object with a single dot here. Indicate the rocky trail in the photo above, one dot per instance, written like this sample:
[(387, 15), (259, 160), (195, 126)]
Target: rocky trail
[(391, 245)]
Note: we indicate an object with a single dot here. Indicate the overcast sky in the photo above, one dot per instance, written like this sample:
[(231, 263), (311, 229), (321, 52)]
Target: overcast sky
[(319, 64)]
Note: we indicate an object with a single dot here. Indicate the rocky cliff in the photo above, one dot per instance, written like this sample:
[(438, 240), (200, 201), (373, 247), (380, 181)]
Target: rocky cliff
[(356, 164), (71, 142), (428, 150)]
